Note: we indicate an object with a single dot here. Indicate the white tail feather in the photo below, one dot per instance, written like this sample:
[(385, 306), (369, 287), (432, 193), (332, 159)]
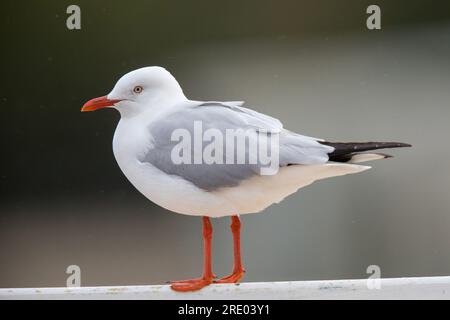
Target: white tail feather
[(364, 157)]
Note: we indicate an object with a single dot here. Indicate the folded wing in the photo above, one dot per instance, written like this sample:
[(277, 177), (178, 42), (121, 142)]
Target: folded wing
[(223, 116)]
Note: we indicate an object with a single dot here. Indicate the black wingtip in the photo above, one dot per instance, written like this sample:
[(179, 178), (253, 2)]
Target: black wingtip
[(343, 151), (347, 147), (403, 145)]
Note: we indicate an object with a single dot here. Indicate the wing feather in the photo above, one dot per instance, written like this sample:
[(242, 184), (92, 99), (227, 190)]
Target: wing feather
[(222, 116)]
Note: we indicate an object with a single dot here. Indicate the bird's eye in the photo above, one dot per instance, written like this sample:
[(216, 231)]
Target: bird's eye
[(138, 89)]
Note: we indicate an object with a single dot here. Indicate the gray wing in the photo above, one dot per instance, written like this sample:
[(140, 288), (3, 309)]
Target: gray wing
[(221, 117)]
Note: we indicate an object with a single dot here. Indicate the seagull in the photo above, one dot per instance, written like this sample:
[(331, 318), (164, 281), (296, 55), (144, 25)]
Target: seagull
[(180, 176)]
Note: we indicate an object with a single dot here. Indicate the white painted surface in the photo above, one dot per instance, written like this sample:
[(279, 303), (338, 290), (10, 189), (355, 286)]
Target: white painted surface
[(394, 288)]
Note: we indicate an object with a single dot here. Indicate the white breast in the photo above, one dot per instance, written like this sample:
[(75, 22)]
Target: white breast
[(131, 139)]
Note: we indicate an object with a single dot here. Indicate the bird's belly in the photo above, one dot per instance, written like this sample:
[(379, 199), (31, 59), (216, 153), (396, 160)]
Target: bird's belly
[(172, 192), (253, 195), (168, 191)]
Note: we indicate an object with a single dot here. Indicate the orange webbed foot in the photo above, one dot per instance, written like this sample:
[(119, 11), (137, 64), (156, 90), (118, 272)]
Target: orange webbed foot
[(191, 284), (235, 277)]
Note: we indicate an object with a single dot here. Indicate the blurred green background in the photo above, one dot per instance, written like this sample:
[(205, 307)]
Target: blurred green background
[(313, 64)]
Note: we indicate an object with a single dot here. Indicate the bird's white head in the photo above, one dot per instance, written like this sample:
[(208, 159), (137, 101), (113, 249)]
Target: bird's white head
[(140, 91)]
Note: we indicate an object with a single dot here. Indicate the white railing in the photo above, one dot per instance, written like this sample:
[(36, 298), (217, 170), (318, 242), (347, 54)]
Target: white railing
[(393, 288)]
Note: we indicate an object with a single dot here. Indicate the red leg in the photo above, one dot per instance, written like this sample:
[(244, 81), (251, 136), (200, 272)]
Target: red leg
[(238, 270), (208, 276)]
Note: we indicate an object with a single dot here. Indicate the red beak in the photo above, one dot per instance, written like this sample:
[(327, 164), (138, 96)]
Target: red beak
[(98, 103)]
